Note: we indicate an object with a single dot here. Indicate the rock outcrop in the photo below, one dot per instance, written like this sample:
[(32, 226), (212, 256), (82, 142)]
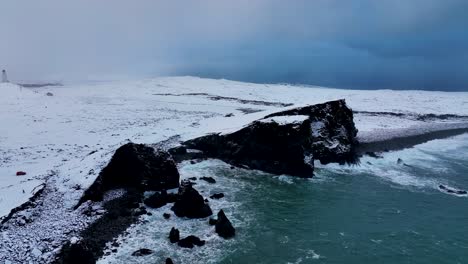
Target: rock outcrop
[(137, 167), (190, 241), (223, 226), (286, 142), (190, 203)]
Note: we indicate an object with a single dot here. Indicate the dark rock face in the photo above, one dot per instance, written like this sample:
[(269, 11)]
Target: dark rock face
[(287, 142), (142, 252), (76, 254), (169, 261), (217, 196), (138, 167), (190, 241), (224, 227), (208, 179), (333, 131), (190, 203), (174, 235)]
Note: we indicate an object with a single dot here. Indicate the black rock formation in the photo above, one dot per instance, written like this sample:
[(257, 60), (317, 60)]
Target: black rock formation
[(142, 252), (286, 142), (190, 203), (158, 199), (190, 241), (223, 226), (136, 167), (174, 235), (217, 196), (208, 179), (77, 253)]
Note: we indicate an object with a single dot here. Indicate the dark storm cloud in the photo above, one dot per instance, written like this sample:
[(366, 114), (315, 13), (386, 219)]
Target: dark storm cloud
[(411, 44)]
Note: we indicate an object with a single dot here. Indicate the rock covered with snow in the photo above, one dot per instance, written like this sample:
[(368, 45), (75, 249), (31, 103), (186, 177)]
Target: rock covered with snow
[(333, 132), (138, 167), (287, 142)]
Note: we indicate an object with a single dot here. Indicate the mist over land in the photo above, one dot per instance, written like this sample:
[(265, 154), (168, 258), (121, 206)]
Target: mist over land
[(419, 44)]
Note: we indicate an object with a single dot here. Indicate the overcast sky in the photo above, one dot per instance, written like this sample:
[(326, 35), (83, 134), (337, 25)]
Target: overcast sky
[(369, 44)]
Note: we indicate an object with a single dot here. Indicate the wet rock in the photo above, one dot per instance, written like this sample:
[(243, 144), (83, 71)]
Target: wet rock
[(169, 261), (217, 196), (399, 161), (166, 215), (452, 191), (190, 203), (212, 221), (20, 173), (223, 226), (142, 252), (174, 235), (157, 200), (190, 241), (193, 178), (135, 167), (208, 179)]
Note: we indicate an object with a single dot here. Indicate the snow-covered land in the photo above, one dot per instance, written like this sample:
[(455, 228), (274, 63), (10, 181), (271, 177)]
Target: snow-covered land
[(62, 136)]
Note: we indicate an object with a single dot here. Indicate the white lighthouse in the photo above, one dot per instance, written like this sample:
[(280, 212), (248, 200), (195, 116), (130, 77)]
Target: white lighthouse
[(4, 76)]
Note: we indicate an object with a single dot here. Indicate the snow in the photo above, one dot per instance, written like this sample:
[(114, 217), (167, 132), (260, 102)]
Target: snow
[(284, 120), (64, 140)]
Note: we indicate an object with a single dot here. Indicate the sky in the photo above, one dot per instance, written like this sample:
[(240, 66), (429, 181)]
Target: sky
[(358, 44)]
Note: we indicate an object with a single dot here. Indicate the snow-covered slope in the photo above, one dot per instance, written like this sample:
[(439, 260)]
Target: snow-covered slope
[(65, 139)]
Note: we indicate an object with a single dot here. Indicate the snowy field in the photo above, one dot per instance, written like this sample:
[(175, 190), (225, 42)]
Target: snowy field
[(63, 139)]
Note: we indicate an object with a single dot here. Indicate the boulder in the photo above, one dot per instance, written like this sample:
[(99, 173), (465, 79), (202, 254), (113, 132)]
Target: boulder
[(208, 179), (158, 199), (142, 252), (190, 241), (166, 215), (174, 235), (169, 261), (135, 167), (287, 142), (223, 226), (217, 196), (190, 203)]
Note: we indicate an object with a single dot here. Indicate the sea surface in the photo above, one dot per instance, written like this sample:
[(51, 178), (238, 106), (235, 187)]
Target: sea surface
[(379, 211)]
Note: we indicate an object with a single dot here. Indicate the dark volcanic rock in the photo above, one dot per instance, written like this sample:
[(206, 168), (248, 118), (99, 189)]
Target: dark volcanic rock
[(157, 200), (217, 196), (78, 253), (212, 221), (223, 226), (190, 203), (190, 241), (169, 261), (333, 130), (287, 142), (174, 235), (142, 252), (208, 179), (137, 167), (166, 215)]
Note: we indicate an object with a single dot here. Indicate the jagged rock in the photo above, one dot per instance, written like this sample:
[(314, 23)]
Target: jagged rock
[(333, 130), (174, 235), (223, 226), (142, 252), (135, 167), (217, 196), (190, 241), (287, 142), (208, 179), (190, 203)]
